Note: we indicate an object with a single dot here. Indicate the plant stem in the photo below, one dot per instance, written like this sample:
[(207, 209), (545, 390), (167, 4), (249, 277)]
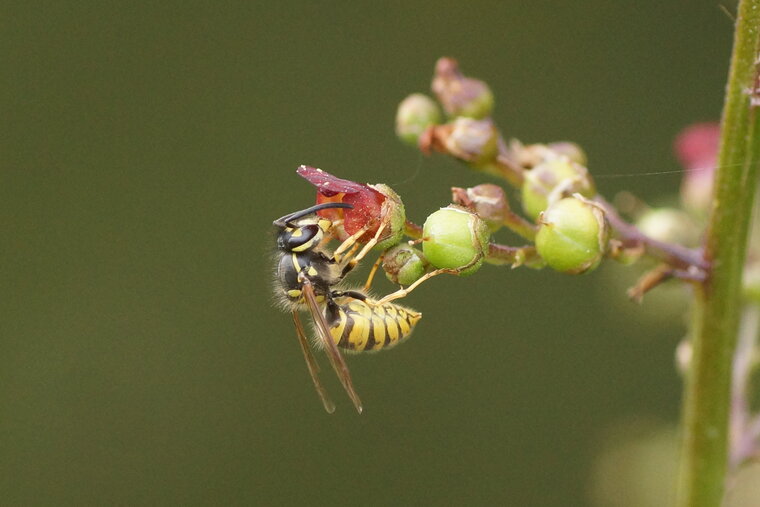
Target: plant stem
[(708, 385), (671, 253)]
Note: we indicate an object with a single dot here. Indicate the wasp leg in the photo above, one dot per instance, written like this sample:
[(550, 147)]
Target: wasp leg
[(352, 240), (403, 292), (371, 243), (349, 242), (372, 272)]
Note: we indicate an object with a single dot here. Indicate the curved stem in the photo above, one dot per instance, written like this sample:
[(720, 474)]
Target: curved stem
[(707, 399), (670, 253)]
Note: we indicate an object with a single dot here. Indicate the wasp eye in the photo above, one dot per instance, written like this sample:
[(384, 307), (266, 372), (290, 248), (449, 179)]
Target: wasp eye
[(300, 238)]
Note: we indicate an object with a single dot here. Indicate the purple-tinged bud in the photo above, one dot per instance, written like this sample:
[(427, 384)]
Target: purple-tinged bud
[(570, 150), (487, 200), (415, 114), (455, 238), (473, 141), (404, 264), (572, 235), (531, 155), (460, 95), (553, 180)]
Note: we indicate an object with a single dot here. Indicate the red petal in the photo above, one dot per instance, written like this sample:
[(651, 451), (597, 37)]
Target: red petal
[(367, 208), (327, 184), (697, 145)]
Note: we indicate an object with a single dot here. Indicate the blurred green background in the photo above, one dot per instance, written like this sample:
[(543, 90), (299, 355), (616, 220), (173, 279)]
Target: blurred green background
[(145, 150)]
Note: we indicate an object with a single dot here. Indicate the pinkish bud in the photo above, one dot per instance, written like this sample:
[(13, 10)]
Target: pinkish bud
[(697, 149), (460, 95)]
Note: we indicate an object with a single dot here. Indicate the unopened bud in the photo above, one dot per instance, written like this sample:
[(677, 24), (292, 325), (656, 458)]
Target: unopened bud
[(552, 180), (487, 200), (474, 141), (415, 113), (460, 95), (455, 238), (570, 150), (572, 235), (404, 264), (669, 225)]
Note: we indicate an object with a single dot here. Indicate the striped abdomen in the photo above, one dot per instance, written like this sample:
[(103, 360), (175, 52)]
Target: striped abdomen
[(359, 326)]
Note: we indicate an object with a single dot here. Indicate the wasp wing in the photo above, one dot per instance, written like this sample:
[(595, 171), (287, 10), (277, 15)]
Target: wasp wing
[(312, 365), (333, 354)]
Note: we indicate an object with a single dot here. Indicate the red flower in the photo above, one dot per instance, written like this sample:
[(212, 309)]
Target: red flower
[(368, 210), (697, 149)]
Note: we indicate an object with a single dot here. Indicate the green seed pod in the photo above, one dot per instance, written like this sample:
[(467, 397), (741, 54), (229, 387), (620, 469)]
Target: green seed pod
[(404, 264), (572, 235), (474, 141), (455, 238), (415, 114), (552, 180)]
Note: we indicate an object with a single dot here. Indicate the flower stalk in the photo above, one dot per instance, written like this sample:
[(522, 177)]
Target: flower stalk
[(707, 401)]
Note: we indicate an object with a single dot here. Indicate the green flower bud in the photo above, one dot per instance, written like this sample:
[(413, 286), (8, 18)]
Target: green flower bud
[(415, 114), (487, 200), (460, 95), (455, 238), (572, 235), (404, 264), (552, 180), (670, 225), (474, 141)]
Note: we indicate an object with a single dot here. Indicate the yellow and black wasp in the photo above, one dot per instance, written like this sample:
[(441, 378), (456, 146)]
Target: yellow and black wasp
[(309, 277)]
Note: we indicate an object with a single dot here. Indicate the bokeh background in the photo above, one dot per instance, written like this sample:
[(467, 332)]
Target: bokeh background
[(145, 149)]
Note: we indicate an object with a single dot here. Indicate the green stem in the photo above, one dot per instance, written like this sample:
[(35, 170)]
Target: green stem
[(708, 386)]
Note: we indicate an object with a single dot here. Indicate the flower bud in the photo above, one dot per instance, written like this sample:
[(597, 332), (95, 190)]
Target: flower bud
[(487, 200), (572, 235), (404, 264), (552, 180), (570, 150), (414, 115), (460, 95), (373, 206), (474, 141), (455, 238), (669, 225), (697, 149)]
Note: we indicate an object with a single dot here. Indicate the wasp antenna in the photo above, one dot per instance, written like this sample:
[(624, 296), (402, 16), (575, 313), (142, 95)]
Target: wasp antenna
[(283, 221)]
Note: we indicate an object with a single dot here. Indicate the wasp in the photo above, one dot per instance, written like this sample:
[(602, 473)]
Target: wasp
[(309, 277)]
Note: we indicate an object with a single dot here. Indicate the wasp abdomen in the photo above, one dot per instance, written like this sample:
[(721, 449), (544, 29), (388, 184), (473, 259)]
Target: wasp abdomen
[(362, 326)]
